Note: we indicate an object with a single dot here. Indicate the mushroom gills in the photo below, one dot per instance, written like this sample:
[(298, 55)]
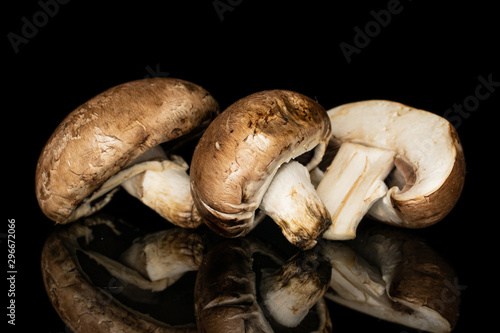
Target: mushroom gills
[(352, 184), (402, 178), (292, 202)]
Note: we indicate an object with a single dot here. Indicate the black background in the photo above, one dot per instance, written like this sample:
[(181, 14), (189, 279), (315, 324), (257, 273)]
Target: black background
[(429, 56)]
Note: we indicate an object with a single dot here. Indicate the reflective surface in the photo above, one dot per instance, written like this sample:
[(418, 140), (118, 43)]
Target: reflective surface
[(143, 275)]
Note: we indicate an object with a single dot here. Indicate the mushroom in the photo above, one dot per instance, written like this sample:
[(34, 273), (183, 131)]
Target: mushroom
[(93, 291), (396, 164), (393, 275), (243, 285), (114, 139), (247, 155)]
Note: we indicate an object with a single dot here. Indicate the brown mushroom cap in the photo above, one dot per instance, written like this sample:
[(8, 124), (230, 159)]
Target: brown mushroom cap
[(103, 135), (242, 149), (429, 164)]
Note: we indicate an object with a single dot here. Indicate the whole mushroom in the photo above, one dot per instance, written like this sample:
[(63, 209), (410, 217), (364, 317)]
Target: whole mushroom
[(396, 164), (114, 139), (243, 165)]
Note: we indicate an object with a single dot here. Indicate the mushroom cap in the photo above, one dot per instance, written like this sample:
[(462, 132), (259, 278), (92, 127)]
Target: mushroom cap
[(103, 135), (429, 167), (242, 149)]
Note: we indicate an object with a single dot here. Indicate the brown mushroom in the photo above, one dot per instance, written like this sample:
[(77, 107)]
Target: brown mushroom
[(244, 286), (243, 164), (393, 275), (397, 164), (93, 291), (114, 138)]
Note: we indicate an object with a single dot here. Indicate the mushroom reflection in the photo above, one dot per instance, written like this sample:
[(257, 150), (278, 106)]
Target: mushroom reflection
[(392, 275), (103, 275), (98, 277), (243, 285)]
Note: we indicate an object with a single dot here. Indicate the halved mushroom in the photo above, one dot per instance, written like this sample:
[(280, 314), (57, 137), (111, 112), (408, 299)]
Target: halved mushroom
[(392, 275), (108, 140), (243, 162), (244, 286), (397, 164), (92, 291)]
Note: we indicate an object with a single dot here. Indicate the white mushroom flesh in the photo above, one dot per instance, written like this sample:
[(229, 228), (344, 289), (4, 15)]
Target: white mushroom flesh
[(164, 186), (292, 202), (418, 137), (351, 185), (160, 183)]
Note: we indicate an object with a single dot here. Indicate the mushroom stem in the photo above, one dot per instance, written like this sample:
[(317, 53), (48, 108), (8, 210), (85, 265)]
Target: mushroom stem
[(292, 202), (352, 184), (291, 291), (166, 253), (164, 186), (160, 183)]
